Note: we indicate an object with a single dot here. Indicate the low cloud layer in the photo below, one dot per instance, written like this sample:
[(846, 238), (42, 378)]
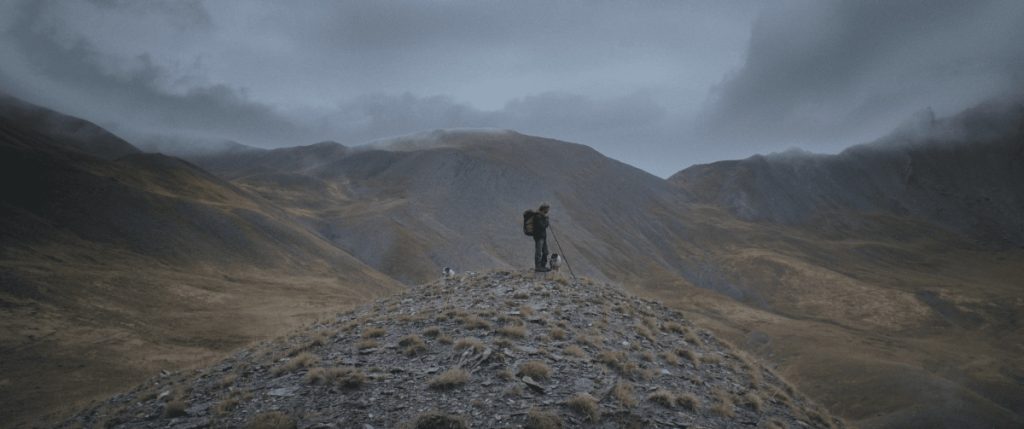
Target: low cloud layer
[(824, 75), (657, 85)]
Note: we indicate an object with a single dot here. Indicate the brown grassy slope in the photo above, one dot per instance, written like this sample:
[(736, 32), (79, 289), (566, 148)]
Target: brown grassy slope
[(113, 270), (909, 332), (455, 198)]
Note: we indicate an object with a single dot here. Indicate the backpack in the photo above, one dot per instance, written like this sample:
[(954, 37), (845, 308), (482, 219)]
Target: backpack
[(528, 222)]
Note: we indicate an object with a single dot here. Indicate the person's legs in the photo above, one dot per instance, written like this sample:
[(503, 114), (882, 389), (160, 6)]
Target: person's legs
[(540, 252)]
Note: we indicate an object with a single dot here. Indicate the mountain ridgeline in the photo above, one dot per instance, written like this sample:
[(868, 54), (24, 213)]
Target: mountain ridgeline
[(963, 173), (868, 266)]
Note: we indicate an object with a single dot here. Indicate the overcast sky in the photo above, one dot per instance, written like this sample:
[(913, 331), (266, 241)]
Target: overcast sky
[(657, 84)]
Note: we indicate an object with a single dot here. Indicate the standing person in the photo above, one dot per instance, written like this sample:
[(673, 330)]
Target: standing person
[(540, 238)]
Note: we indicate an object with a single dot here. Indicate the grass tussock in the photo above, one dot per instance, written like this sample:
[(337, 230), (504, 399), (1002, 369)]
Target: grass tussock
[(535, 369), (367, 344), (272, 420), (689, 355), (692, 338), (374, 333), (674, 328), (474, 322), (449, 379), (525, 310), (302, 360), (432, 332), (586, 405), (753, 401), (670, 358), (469, 342), (645, 332), (557, 334), (437, 420), (175, 408), (542, 419), (412, 345), (347, 377), (623, 392), (225, 406), (512, 331), (575, 351), (723, 404), (227, 381), (663, 397), (688, 401)]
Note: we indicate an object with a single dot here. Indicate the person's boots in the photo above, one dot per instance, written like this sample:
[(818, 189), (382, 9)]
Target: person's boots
[(541, 269)]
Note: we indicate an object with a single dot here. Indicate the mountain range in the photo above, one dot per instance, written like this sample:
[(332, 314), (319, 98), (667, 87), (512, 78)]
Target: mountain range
[(883, 281)]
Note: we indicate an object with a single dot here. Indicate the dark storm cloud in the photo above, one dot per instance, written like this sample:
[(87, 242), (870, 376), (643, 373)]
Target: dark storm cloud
[(129, 96), (823, 75), (640, 81)]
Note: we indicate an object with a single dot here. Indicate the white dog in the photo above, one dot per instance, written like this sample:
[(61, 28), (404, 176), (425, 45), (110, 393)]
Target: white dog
[(447, 273), (555, 262)]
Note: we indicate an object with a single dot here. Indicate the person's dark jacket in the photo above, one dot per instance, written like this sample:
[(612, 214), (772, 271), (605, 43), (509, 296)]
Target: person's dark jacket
[(540, 225)]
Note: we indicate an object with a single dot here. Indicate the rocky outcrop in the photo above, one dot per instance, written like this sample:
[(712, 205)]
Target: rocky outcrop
[(500, 349)]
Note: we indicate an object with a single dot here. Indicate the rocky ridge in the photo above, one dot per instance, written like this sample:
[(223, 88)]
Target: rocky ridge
[(499, 349)]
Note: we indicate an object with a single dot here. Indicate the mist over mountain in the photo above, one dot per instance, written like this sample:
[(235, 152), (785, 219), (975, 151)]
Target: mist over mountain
[(965, 173)]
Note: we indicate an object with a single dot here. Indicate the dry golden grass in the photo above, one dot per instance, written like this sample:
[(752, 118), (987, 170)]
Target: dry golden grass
[(752, 400), (674, 327), (436, 420), (512, 331), (319, 339), (506, 375), (647, 356), (688, 401), (556, 334), (225, 406), (521, 295), (444, 339), (175, 408), (526, 310), (449, 379), (432, 332), (645, 332), (475, 322), (346, 377), (374, 333), (302, 360), (367, 344), (535, 369), (723, 404), (692, 338), (227, 381), (585, 404), (542, 419), (623, 392), (469, 342), (670, 358), (271, 420), (662, 397), (575, 351), (412, 345), (689, 355)]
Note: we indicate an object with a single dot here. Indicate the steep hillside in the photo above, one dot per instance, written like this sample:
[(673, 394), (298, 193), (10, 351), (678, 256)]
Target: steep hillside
[(896, 261), (964, 173), (111, 269), (454, 198), (493, 350), (70, 132), (887, 294)]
